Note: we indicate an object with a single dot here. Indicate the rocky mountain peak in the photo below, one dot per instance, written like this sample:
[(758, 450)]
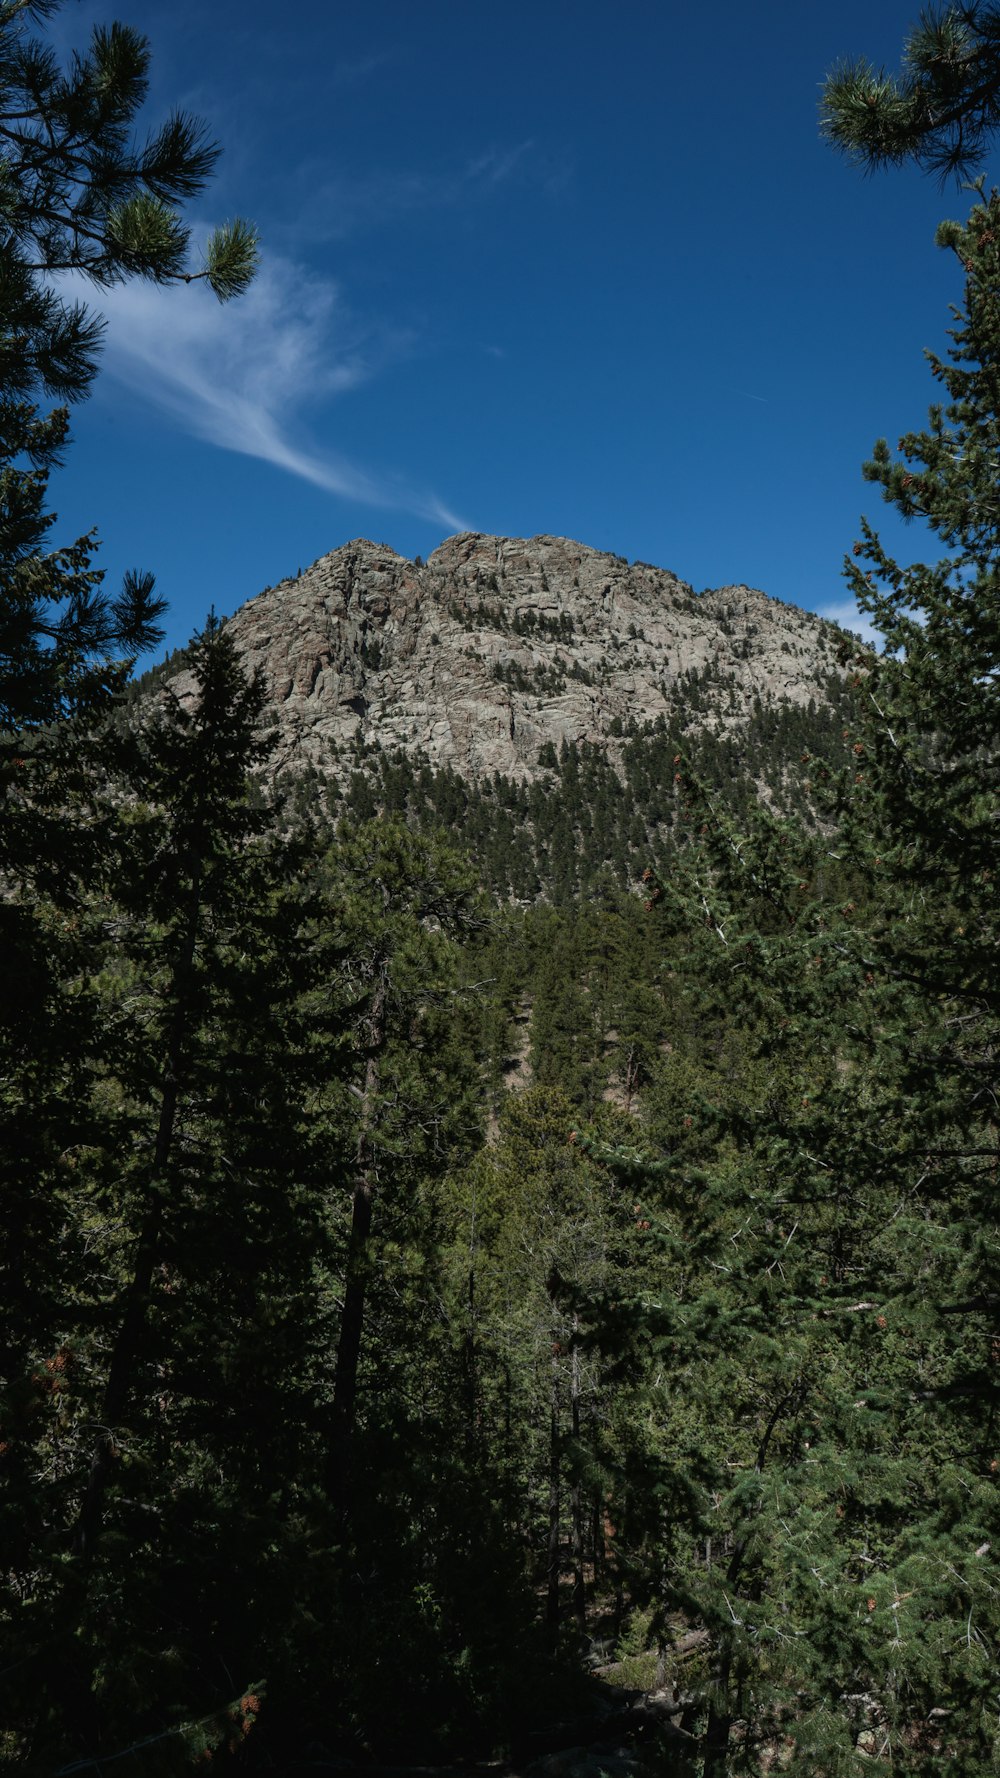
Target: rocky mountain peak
[(496, 646)]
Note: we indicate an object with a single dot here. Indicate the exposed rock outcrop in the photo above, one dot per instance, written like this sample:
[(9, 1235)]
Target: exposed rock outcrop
[(498, 645)]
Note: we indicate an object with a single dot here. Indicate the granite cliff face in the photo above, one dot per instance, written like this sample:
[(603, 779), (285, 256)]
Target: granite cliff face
[(497, 645)]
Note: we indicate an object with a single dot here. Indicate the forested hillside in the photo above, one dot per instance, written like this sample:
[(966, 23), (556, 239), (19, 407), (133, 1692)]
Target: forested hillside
[(495, 1263), (583, 815)]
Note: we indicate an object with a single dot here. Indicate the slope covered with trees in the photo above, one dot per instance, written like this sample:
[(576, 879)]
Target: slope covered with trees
[(456, 1235), (585, 815)]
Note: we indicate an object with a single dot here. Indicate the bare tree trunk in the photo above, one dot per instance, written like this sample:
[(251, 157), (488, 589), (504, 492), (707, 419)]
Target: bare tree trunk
[(471, 1390), (552, 1601), (630, 1076), (352, 1315), (125, 1350), (576, 1503), (720, 1713), (720, 1720)]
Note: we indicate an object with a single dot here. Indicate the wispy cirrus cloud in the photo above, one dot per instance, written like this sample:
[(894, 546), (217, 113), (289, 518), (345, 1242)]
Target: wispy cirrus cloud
[(354, 71), (246, 377), (496, 165), (344, 204)]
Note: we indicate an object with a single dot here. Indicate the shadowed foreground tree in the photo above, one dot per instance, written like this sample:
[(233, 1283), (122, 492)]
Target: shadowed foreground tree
[(159, 1422), (399, 904), (78, 193)]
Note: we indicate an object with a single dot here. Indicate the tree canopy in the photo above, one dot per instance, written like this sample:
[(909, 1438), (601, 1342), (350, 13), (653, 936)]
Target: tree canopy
[(79, 193), (940, 111), (410, 1303)]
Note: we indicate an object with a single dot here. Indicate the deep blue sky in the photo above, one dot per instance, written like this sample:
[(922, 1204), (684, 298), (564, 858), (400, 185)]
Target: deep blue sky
[(567, 266)]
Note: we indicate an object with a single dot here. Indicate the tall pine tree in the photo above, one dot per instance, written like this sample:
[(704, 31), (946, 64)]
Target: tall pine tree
[(825, 1328)]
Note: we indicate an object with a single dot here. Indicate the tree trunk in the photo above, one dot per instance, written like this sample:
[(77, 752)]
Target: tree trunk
[(125, 1351), (552, 1600), (352, 1315), (576, 1502), (720, 1719), (720, 1715), (123, 1358), (470, 1355), (470, 1364)]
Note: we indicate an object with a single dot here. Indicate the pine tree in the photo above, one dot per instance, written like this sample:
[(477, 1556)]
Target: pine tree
[(74, 195), (398, 903), (78, 192), (927, 784), (191, 1205), (824, 1326), (940, 112)]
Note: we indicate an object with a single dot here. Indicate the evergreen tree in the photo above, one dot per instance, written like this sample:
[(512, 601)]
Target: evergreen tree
[(824, 1325), (398, 904), (75, 193), (140, 1395), (78, 193), (535, 1228), (927, 782), (940, 112)]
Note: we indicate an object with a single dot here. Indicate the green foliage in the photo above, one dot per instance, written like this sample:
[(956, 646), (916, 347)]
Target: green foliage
[(560, 837), (637, 1659), (939, 112), (78, 192), (531, 1220), (819, 1339), (110, 996), (187, 1222), (399, 1289)]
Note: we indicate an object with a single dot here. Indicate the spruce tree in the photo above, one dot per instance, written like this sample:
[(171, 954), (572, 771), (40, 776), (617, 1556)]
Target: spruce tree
[(76, 193), (928, 785)]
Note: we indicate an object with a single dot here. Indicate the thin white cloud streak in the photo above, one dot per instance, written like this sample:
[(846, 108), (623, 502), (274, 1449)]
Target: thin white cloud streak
[(497, 164), (342, 205), (241, 376), (354, 72)]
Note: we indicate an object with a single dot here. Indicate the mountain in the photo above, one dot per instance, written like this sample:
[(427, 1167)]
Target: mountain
[(498, 648)]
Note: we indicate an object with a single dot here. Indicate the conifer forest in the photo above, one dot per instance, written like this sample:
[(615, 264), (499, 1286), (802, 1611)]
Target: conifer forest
[(489, 1271)]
